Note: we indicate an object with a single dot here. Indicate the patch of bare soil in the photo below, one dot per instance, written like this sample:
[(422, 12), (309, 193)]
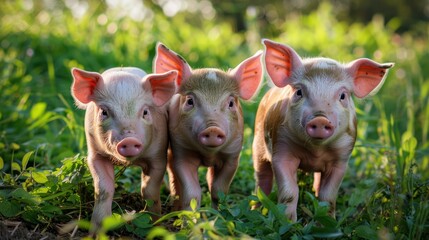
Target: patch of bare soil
[(11, 230), (18, 230)]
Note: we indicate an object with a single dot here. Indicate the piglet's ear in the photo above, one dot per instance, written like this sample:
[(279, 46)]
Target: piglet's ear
[(166, 60), (84, 84), (163, 86), (281, 61), (249, 76), (368, 76)]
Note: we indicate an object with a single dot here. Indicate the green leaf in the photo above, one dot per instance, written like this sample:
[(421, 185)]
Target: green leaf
[(366, 232), (74, 198), (234, 211), (267, 203), (84, 224), (112, 222), (39, 177), (347, 213), (4, 193), (16, 167), (32, 216), (9, 208), (25, 160), (409, 142), (193, 204), (307, 211), (171, 215), (15, 146), (50, 210), (37, 110), (327, 233), (326, 220), (149, 202), (284, 228), (160, 233), (143, 221), (1, 163), (359, 197), (25, 197)]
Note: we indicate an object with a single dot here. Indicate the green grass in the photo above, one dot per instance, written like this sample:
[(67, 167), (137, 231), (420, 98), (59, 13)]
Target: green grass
[(44, 181)]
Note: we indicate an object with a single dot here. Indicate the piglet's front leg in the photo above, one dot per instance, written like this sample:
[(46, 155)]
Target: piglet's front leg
[(102, 172), (185, 170), (219, 178), (285, 170), (330, 182), (173, 183), (152, 178)]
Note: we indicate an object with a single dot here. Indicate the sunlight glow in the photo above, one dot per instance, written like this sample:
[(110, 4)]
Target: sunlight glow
[(78, 8), (134, 9)]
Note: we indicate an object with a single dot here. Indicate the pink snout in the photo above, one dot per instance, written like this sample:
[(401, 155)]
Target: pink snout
[(319, 127), (129, 147), (212, 137)]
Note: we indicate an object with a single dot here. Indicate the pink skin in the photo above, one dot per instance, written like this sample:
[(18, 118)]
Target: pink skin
[(212, 137), (206, 124), (129, 147), (125, 124), (319, 128), (308, 121)]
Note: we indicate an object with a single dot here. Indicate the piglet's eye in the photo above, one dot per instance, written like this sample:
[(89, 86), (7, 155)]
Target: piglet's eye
[(190, 101), (146, 114), (342, 96), (297, 95), (104, 114), (231, 103)]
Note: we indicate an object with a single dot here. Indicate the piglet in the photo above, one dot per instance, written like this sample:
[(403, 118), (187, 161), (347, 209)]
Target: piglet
[(125, 124), (206, 123), (308, 121)]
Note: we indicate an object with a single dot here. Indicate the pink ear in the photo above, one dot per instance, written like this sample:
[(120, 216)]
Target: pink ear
[(368, 76), (163, 86), (280, 62), (84, 84), (166, 60), (249, 76)]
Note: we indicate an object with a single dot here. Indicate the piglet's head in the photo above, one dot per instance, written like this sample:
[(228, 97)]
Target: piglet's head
[(122, 107), (284, 66), (208, 107), (86, 85), (319, 89), (248, 73)]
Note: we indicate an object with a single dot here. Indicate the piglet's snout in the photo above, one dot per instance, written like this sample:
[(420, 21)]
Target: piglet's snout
[(129, 147), (319, 127), (212, 137)]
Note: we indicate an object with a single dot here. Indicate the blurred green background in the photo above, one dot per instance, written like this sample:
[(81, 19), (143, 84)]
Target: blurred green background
[(40, 41)]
